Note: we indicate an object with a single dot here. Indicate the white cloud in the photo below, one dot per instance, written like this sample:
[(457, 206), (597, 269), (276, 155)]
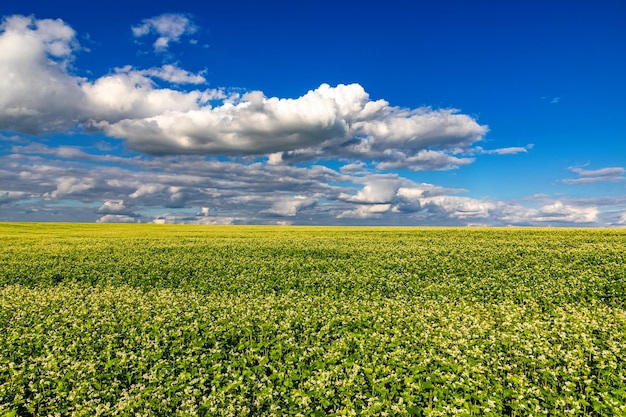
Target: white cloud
[(459, 207), (129, 94), (70, 185), (44, 183), (509, 151), (54, 36), (38, 94), (423, 160), (185, 219), (116, 218), (116, 207), (289, 206), (10, 196), (169, 27), (604, 172), (558, 211), (328, 122), (256, 125), (147, 189), (174, 75), (378, 189), (354, 168), (505, 151), (340, 121), (391, 193), (370, 211), (597, 175)]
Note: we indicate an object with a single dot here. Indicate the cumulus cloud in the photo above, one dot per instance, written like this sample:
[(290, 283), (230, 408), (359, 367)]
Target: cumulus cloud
[(116, 218), (163, 111), (596, 175), (38, 94), (71, 185), (391, 188), (459, 207), (340, 121), (169, 27), (566, 213), (289, 206), (372, 211), (129, 94), (378, 189), (44, 184), (147, 189), (41, 95), (391, 193), (11, 196), (117, 208)]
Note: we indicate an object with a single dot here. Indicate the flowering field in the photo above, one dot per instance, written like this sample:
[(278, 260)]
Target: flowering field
[(194, 320)]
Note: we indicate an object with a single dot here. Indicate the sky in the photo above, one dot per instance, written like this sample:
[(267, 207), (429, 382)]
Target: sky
[(460, 113)]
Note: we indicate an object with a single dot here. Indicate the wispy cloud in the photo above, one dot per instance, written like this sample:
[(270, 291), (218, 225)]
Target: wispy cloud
[(551, 100), (504, 151), (597, 175), (173, 74), (169, 27)]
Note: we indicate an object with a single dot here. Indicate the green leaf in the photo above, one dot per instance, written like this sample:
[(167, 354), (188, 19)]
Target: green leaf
[(414, 411)]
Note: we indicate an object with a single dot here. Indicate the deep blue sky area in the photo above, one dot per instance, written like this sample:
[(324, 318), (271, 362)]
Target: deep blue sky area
[(316, 112)]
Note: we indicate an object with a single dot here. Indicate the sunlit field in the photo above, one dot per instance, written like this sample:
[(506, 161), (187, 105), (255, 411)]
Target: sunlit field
[(229, 321)]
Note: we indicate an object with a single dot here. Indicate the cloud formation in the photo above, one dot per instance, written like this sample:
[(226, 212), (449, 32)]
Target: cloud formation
[(173, 75), (504, 151), (169, 27), (213, 156), (340, 121), (38, 94), (41, 95), (79, 184), (289, 206), (116, 208), (597, 175)]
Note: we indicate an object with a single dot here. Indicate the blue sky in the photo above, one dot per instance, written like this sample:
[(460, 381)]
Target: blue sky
[(394, 113)]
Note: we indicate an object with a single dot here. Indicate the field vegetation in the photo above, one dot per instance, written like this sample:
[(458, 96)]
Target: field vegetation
[(142, 320)]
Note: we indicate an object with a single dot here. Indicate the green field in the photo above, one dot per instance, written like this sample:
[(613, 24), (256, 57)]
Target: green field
[(142, 320)]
